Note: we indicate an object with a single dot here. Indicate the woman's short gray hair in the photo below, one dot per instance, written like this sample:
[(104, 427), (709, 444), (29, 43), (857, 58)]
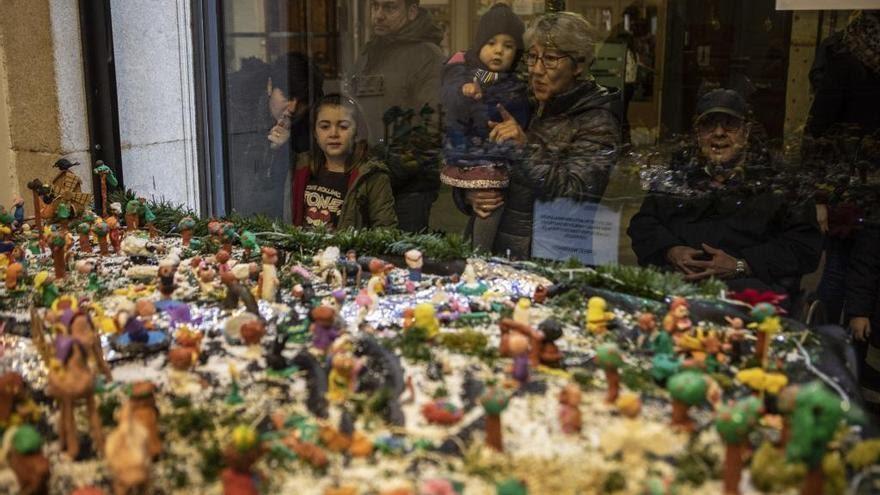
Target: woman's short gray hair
[(567, 32)]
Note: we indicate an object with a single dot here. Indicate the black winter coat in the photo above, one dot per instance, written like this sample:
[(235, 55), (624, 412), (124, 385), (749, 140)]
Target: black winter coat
[(573, 143)]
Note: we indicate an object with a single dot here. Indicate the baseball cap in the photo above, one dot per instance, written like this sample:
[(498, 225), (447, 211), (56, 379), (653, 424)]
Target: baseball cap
[(722, 101)]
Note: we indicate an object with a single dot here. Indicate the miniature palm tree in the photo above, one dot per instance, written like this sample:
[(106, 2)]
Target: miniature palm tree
[(816, 417), (767, 324), (84, 229), (608, 357), (249, 243), (734, 422), (58, 244), (494, 403), (101, 230), (687, 388), (132, 215), (106, 175), (186, 226)]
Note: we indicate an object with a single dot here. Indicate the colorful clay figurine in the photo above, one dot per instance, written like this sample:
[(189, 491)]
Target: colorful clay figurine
[(425, 319), (249, 243), (570, 409), (149, 218), (597, 316), (115, 234), (629, 405), (519, 349), (550, 331), (494, 402), (13, 274), (522, 311), (235, 291), (609, 358), (145, 412), (241, 454), (734, 421), (324, 328), (678, 319), (46, 291), (185, 226), (26, 460), (325, 267), (341, 380), (269, 275), (540, 295), (647, 323), (132, 215), (16, 405), (351, 268), (127, 454), (414, 262), (470, 286), (166, 284)]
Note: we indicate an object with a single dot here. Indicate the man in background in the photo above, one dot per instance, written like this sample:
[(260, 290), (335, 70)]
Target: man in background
[(400, 66)]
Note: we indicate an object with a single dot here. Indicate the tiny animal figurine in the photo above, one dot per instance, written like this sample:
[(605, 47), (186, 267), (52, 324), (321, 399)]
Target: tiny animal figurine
[(144, 411)]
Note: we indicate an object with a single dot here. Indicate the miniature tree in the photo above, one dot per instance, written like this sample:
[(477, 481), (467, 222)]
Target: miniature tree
[(767, 324), (687, 388), (664, 366), (132, 215), (249, 243), (105, 174), (229, 236), (27, 461), (101, 229), (608, 357), (149, 218), (815, 419), (84, 230), (494, 403), (734, 422), (63, 213), (186, 226), (58, 245)]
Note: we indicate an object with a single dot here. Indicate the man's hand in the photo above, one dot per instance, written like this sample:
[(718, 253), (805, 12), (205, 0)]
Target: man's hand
[(281, 132), (484, 201), (722, 265), (507, 129), (860, 327), (681, 256), (473, 90)]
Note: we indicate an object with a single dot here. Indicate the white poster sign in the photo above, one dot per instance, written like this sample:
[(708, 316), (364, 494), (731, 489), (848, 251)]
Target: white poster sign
[(565, 229)]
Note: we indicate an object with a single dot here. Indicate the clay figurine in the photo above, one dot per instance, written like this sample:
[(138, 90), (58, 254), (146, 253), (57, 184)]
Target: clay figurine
[(597, 316), (84, 229), (241, 454), (678, 320), (132, 215), (647, 324), (101, 230), (351, 268), (570, 409), (425, 319), (519, 348), (323, 328), (522, 311), (326, 270), (144, 411), (414, 262), (551, 331), (70, 381), (166, 284), (115, 234), (27, 461), (13, 273), (269, 275), (128, 455), (341, 380), (470, 286)]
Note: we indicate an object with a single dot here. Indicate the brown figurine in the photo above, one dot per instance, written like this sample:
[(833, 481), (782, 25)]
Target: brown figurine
[(510, 327), (678, 320), (27, 461), (13, 274), (115, 234), (128, 455), (269, 275), (570, 409), (241, 455), (253, 331), (540, 295), (144, 411), (166, 285)]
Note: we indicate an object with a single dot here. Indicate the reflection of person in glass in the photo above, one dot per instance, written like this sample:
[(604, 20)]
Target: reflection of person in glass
[(340, 186), (725, 222), (267, 116), (400, 66), (475, 82), (572, 140)]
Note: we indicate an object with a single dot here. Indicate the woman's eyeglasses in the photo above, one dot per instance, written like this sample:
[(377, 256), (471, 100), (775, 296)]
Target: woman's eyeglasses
[(549, 61), (727, 122)]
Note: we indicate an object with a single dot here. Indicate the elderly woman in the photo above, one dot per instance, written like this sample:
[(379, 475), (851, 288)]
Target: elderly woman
[(570, 144)]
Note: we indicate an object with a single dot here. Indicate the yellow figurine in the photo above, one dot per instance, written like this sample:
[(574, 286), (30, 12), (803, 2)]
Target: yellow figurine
[(521, 311), (597, 317), (425, 317), (340, 382)]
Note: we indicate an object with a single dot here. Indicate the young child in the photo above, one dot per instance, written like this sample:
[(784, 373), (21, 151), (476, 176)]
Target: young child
[(474, 84)]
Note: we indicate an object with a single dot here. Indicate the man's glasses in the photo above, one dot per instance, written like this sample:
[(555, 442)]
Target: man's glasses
[(727, 122), (549, 61)]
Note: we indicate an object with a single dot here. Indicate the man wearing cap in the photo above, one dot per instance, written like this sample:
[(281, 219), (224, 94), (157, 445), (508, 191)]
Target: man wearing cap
[(719, 217)]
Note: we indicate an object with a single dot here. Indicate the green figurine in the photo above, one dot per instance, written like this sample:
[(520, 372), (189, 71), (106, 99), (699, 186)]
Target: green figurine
[(249, 243)]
